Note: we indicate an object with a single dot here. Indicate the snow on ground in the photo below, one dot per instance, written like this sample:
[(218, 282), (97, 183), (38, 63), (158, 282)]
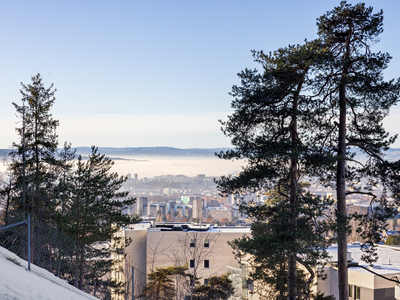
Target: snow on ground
[(17, 283)]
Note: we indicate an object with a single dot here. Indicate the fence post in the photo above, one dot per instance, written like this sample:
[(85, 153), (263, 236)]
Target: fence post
[(133, 283), (29, 242)]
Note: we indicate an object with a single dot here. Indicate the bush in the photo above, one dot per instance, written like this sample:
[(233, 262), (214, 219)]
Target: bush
[(393, 240)]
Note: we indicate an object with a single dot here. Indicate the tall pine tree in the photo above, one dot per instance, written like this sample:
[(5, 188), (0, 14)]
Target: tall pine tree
[(273, 127), (352, 84)]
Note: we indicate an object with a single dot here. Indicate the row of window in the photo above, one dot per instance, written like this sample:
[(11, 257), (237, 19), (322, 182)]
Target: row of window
[(206, 263), (206, 243)]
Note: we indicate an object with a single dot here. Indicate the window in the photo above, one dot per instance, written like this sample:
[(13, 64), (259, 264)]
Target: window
[(351, 288), (206, 243), (206, 263), (192, 243), (205, 281), (357, 293), (191, 282), (354, 292), (191, 263)]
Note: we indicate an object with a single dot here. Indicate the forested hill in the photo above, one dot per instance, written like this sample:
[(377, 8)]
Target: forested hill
[(145, 151), (392, 154), (151, 151)]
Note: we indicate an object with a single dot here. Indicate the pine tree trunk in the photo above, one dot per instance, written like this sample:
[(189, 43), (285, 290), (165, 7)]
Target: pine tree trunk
[(292, 268), (341, 182), (341, 202)]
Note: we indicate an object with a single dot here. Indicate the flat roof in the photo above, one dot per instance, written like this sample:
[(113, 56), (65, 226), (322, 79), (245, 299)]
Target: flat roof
[(388, 258)]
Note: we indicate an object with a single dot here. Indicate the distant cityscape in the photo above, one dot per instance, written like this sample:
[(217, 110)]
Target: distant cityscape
[(181, 198)]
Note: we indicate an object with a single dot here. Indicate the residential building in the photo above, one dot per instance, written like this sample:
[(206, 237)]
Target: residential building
[(203, 248)]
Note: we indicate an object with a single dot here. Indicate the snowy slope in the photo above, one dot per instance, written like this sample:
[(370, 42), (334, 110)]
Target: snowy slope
[(17, 283)]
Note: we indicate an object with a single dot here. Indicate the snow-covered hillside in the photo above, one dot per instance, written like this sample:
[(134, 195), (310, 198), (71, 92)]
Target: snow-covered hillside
[(17, 283)]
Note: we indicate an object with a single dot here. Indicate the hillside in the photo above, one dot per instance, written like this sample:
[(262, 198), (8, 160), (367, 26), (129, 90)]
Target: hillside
[(17, 283), (152, 151)]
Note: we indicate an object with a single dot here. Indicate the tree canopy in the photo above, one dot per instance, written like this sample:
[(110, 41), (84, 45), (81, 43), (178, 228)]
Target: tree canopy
[(34, 158), (78, 201), (273, 127), (352, 83), (306, 115)]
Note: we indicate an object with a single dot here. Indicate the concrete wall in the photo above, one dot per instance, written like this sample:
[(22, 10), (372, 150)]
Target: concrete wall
[(136, 257)]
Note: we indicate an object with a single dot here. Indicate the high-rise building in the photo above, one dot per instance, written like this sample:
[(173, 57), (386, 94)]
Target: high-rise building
[(197, 209), (142, 206), (231, 199)]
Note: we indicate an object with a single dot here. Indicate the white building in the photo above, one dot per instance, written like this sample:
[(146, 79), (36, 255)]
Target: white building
[(365, 282)]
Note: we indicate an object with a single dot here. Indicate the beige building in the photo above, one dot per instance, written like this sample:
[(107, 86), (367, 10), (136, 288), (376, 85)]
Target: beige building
[(204, 249)]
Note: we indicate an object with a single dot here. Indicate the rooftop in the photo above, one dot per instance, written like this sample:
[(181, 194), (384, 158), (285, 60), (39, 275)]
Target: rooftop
[(388, 259)]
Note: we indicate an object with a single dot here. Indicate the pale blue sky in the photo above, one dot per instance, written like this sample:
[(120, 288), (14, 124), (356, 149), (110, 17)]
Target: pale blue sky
[(151, 73)]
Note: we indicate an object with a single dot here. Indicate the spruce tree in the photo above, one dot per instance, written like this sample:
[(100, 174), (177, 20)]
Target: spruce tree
[(66, 157), (34, 156), (94, 214)]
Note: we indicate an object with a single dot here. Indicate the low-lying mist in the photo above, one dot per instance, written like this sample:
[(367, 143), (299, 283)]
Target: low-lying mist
[(190, 166)]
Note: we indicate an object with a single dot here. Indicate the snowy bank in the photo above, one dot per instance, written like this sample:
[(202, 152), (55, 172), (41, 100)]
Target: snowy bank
[(17, 283)]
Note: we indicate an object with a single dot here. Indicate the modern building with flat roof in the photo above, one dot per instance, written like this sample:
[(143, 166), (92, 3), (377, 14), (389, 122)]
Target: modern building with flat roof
[(365, 282), (203, 248)]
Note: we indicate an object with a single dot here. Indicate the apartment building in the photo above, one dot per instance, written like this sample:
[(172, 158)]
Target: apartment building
[(203, 248)]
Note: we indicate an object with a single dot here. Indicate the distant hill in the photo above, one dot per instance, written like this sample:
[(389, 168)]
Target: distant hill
[(152, 151), (4, 152), (392, 154), (144, 151)]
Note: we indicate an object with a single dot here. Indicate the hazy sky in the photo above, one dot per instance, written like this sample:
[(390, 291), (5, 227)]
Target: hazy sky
[(151, 73)]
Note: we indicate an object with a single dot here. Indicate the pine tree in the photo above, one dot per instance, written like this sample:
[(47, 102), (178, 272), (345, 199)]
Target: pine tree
[(218, 287), (274, 128), (161, 284), (352, 84)]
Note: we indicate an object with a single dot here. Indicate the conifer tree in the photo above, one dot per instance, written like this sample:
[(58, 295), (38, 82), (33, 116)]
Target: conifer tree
[(34, 156), (161, 284), (351, 83), (218, 287), (273, 127), (66, 157), (345, 102), (94, 213)]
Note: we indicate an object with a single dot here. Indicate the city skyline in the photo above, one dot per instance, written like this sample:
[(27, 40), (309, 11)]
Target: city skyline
[(132, 74)]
